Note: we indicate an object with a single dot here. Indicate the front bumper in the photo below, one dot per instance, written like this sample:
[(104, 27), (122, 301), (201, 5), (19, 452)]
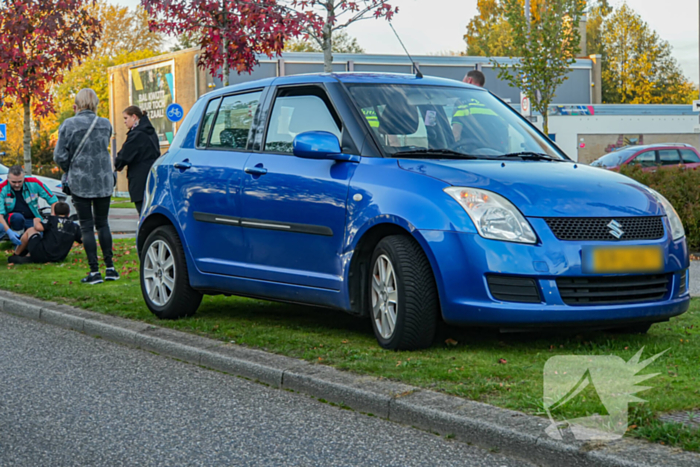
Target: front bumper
[(462, 262)]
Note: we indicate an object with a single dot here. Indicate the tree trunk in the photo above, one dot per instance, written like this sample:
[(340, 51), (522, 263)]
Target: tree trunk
[(28, 137), (545, 123), (224, 45), (226, 68), (327, 39)]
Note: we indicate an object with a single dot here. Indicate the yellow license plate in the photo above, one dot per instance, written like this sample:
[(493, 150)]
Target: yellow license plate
[(624, 260)]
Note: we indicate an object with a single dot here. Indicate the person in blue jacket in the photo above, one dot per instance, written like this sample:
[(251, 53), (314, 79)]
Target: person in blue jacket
[(20, 202)]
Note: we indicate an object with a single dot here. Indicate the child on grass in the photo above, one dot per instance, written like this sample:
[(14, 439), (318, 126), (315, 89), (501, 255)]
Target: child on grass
[(50, 240)]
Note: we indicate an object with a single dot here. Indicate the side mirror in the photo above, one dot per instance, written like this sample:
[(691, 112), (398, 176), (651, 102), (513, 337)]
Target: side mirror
[(320, 145)]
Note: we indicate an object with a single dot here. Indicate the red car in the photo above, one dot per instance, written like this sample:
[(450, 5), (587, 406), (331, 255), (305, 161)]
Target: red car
[(651, 156)]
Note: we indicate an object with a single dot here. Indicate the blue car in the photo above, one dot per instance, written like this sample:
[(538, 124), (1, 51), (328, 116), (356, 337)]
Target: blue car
[(405, 200)]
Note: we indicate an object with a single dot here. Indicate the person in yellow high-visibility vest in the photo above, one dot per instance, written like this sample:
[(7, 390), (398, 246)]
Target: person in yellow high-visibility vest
[(371, 116), (474, 123)]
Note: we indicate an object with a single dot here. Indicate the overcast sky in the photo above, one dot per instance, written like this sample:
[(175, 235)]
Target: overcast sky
[(431, 26)]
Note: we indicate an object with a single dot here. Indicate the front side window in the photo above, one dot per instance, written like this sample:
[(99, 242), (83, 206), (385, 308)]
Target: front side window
[(292, 115), (406, 118), (645, 159), (234, 120), (669, 157), (207, 122)]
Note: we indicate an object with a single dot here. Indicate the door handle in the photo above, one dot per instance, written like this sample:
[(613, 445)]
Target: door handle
[(256, 170), (184, 165)]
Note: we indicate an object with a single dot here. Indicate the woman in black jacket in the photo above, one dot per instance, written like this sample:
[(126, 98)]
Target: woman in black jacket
[(139, 151)]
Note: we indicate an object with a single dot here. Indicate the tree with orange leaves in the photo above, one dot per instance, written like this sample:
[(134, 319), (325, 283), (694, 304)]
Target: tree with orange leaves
[(41, 40)]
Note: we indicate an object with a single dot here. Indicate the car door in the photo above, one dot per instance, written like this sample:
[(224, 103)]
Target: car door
[(207, 180), (669, 158), (646, 160), (690, 159), (293, 209)]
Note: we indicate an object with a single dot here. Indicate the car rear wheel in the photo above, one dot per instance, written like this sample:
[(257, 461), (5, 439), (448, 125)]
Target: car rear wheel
[(165, 283), (402, 299)]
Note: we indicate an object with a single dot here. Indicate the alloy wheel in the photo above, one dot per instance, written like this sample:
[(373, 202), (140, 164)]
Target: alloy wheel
[(159, 273), (385, 296)]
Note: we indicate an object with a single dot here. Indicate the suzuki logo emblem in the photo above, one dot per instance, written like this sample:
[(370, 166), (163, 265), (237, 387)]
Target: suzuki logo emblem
[(616, 229)]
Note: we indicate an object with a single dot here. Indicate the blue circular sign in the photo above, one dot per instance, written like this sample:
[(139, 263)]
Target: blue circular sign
[(174, 112)]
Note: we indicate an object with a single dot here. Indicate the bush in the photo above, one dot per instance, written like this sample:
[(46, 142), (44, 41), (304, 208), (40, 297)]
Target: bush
[(682, 189)]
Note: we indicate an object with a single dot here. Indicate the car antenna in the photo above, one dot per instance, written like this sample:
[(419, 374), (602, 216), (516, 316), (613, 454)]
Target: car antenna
[(415, 65)]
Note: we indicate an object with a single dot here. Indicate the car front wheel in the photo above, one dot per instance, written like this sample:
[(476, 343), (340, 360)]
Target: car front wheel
[(403, 300), (164, 280)]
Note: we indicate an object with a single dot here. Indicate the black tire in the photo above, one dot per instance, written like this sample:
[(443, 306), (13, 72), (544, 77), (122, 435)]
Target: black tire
[(418, 304), (641, 328), (183, 300)]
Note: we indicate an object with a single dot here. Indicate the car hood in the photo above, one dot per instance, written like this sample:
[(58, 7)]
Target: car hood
[(547, 189)]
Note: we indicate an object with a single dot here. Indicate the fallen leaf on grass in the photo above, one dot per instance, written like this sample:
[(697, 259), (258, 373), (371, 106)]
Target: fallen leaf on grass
[(451, 342), (502, 361)]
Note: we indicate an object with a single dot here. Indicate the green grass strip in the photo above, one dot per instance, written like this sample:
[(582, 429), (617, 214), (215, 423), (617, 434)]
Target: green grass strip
[(503, 370)]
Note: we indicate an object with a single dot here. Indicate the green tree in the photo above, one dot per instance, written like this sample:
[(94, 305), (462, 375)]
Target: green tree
[(638, 66), (597, 12), (124, 30), (547, 47), (92, 74), (488, 33), (187, 40), (343, 43)]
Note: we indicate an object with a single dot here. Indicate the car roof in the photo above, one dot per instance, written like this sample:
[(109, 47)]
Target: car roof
[(347, 78), (645, 147)]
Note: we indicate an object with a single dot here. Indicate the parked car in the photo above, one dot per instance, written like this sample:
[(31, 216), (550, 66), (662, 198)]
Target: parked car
[(349, 191), (651, 156)]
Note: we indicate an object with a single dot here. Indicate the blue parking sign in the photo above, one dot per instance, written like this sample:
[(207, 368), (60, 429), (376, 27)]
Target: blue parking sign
[(3, 132), (174, 112)]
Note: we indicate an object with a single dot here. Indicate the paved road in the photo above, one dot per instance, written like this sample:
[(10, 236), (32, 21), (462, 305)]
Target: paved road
[(123, 222), (70, 399)]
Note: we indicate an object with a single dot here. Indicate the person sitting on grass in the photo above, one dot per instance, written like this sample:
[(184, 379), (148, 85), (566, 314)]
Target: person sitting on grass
[(50, 240)]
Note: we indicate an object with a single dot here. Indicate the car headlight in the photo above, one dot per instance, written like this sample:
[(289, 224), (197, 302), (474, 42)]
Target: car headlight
[(494, 216), (677, 230)]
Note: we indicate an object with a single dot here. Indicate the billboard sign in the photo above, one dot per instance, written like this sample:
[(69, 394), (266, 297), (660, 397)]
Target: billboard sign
[(153, 89)]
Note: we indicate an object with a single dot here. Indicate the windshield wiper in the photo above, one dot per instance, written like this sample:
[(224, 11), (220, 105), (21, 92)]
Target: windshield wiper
[(435, 152), (534, 156)]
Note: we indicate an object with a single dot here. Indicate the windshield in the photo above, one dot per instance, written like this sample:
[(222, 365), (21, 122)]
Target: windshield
[(4, 170), (614, 158), (414, 118)]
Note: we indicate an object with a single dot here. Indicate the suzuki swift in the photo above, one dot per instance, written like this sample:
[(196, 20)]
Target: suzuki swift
[(405, 200)]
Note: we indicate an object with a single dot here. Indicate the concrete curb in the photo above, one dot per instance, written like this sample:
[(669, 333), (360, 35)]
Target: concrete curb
[(512, 433)]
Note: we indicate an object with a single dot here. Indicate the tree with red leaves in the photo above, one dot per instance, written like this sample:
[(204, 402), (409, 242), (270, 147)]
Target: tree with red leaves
[(230, 32), (40, 41), (335, 15)]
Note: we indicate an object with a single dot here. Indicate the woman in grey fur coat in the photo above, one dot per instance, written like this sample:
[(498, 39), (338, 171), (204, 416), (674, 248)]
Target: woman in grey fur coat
[(90, 178)]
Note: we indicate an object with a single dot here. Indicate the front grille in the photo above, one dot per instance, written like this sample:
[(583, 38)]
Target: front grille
[(597, 228), (514, 289), (613, 290)]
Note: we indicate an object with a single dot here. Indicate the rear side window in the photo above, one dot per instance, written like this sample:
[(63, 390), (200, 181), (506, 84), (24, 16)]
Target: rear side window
[(645, 159), (689, 156), (669, 157), (207, 122), (293, 115), (234, 120)]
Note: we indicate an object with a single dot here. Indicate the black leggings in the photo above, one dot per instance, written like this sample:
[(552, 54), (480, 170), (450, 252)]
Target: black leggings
[(93, 214)]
